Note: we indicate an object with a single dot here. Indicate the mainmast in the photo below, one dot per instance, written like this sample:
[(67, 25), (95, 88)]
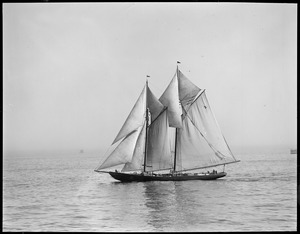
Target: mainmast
[(147, 120), (175, 150)]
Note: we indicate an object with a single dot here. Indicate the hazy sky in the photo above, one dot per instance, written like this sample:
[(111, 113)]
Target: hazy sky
[(72, 72)]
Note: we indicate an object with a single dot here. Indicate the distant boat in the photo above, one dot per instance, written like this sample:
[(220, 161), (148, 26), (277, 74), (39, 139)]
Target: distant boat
[(81, 151), (293, 151), (162, 139)]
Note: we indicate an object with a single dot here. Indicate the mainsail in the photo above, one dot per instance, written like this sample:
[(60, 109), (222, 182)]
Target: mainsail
[(177, 131), (201, 143)]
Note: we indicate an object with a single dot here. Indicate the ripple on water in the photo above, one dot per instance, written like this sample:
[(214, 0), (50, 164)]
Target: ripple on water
[(261, 196)]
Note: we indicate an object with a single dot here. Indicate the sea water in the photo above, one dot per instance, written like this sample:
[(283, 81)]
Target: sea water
[(61, 192)]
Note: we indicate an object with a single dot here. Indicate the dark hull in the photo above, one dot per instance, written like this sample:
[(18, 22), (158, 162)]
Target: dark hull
[(124, 177)]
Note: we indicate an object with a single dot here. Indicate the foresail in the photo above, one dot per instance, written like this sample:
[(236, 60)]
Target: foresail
[(159, 151), (123, 152), (136, 117), (170, 98)]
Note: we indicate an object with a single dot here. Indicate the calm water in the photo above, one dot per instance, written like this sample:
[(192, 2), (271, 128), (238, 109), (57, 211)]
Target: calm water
[(63, 193)]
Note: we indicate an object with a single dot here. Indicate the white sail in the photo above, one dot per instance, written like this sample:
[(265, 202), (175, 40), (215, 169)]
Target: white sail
[(154, 105), (136, 117), (187, 90), (200, 141), (158, 148), (202, 116), (192, 149), (170, 98), (138, 155), (123, 152)]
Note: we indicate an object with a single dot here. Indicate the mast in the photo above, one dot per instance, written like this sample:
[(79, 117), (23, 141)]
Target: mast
[(147, 115), (174, 168)]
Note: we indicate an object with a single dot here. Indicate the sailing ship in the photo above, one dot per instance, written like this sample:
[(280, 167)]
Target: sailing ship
[(171, 138)]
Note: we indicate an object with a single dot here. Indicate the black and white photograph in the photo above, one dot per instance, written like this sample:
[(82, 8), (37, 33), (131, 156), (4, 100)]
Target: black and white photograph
[(149, 117)]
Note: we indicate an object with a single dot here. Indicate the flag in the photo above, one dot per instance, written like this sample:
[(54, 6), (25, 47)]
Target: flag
[(178, 62)]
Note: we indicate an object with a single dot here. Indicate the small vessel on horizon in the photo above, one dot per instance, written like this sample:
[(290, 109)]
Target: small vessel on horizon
[(293, 151), (162, 139)]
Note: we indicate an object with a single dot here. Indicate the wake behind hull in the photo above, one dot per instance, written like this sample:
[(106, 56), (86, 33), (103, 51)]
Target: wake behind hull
[(124, 177)]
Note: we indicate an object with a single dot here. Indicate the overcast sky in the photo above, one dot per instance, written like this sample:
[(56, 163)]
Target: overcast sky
[(72, 72)]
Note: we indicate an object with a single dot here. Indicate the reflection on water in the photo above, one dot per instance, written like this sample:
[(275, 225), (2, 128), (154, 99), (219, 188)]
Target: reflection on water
[(181, 205), (159, 199)]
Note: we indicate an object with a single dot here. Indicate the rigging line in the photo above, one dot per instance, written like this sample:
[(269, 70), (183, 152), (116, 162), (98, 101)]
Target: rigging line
[(210, 145)]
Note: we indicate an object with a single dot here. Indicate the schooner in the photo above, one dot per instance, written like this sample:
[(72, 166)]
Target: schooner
[(170, 138)]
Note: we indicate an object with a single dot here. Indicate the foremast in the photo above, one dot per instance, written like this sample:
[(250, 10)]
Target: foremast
[(176, 132)]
